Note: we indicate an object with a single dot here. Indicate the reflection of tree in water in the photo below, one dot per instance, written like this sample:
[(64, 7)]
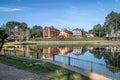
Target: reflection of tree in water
[(98, 52), (36, 51), (112, 59)]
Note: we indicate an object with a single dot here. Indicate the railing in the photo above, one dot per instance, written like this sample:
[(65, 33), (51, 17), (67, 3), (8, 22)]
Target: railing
[(89, 65)]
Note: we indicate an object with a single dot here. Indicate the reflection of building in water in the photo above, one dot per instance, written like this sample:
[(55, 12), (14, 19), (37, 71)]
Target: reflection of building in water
[(50, 51), (66, 50), (77, 51), (18, 50), (90, 48), (113, 48)]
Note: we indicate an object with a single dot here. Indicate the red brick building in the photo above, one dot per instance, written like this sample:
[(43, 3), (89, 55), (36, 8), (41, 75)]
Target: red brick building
[(50, 31)]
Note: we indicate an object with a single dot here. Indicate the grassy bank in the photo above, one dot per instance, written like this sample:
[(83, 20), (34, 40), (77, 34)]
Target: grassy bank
[(42, 67), (59, 43)]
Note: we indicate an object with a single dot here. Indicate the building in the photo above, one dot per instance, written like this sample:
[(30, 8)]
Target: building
[(90, 35), (66, 33), (77, 33), (114, 35), (50, 32)]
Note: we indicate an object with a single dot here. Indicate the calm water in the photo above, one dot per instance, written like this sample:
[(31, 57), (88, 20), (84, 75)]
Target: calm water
[(102, 60)]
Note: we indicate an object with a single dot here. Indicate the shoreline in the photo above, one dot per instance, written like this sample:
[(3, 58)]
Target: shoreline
[(59, 43)]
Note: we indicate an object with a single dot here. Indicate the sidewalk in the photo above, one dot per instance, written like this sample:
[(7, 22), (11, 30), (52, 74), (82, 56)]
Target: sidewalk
[(91, 75), (11, 73)]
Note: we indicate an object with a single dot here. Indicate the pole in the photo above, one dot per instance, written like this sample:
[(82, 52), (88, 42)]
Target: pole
[(91, 66), (53, 57), (69, 60)]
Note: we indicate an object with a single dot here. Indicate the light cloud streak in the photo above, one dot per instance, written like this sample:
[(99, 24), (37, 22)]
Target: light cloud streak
[(8, 9)]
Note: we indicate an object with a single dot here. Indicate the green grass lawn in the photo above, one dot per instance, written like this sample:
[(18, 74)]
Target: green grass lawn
[(42, 67), (65, 43)]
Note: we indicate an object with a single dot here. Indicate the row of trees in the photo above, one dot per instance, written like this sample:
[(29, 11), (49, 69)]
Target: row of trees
[(25, 32), (112, 23), (22, 29)]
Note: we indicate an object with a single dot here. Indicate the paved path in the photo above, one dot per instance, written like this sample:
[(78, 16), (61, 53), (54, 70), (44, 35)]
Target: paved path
[(11, 73), (91, 75)]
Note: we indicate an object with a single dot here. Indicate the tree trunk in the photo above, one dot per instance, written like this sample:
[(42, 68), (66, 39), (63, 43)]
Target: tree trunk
[(1, 45)]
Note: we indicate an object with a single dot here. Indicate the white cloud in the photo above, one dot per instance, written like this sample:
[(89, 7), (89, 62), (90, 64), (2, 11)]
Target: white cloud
[(8, 9)]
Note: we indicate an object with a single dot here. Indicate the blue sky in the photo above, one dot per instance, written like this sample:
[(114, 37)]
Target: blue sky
[(59, 13)]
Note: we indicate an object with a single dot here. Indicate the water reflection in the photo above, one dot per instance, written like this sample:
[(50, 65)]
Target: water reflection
[(110, 54), (49, 51), (106, 58), (65, 50)]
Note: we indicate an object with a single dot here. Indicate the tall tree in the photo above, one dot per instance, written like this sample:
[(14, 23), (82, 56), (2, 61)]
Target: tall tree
[(96, 31), (112, 22), (17, 28), (10, 25), (36, 31), (22, 30), (27, 34), (3, 36)]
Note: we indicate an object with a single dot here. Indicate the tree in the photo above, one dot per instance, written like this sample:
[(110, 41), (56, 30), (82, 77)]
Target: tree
[(17, 28), (27, 34), (112, 22), (3, 36), (22, 30), (36, 31), (97, 30), (11, 25), (84, 33)]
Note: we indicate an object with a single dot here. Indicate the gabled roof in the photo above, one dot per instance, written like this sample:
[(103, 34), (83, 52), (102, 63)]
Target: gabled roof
[(77, 29), (67, 31), (50, 27)]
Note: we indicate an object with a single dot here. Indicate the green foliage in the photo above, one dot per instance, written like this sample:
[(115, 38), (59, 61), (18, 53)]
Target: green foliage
[(3, 36), (97, 30), (36, 31), (112, 22), (17, 28)]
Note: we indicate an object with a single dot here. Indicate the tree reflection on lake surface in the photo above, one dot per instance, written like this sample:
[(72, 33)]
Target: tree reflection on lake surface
[(106, 58)]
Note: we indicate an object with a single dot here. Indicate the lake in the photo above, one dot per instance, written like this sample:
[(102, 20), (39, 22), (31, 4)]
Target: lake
[(103, 60)]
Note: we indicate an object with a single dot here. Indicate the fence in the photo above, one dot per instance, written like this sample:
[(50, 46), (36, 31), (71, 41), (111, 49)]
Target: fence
[(89, 65)]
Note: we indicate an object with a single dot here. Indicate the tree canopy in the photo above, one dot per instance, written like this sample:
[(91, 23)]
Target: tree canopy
[(36, 31), (3, 36), (17, 28), (112, 23)]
